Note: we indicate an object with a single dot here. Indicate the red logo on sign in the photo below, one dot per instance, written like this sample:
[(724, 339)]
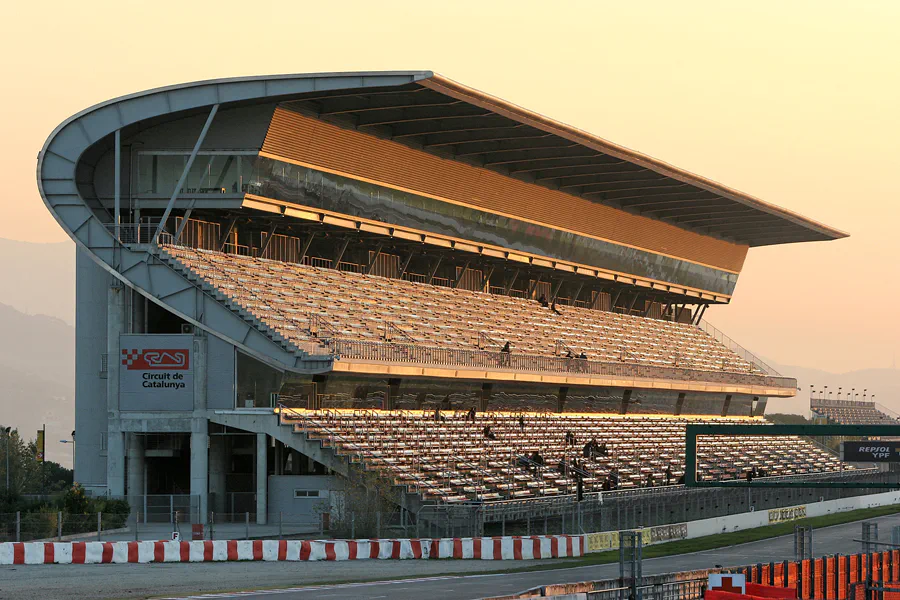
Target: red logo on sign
[(155, 360)]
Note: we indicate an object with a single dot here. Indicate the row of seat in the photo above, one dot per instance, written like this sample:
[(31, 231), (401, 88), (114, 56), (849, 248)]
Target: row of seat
[(447, 457), (853, 415), (354, 306)]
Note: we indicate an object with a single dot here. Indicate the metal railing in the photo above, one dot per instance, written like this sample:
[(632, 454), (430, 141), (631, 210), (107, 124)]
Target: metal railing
[(732, 345), (486, 359)]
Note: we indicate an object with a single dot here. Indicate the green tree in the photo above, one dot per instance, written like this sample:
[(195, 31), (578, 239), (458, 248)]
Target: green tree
[(26, 474)]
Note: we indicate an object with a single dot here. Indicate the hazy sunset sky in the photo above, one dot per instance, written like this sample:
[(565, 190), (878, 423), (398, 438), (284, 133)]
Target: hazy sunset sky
[(797, 103)]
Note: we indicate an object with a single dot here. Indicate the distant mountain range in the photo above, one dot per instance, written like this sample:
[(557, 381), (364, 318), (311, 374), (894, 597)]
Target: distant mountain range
[(37, 377), (39, 279), (884, 383)]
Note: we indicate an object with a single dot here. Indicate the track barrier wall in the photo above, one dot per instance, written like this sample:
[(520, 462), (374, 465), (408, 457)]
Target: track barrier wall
[(495, 548)]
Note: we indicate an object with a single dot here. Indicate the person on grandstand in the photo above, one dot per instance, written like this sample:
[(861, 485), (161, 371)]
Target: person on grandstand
[(470, 416), (488, 434), (668, 474), (587, 451), (521, 423), (553, 307), (505, 351), (537, 459), (543, 301), (570, 438)]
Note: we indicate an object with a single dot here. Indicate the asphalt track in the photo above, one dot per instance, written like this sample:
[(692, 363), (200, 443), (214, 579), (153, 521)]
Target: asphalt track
[(434, 580)]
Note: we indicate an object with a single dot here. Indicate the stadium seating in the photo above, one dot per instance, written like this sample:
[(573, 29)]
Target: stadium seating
[(852, 413), (452, 460), (353, 306)]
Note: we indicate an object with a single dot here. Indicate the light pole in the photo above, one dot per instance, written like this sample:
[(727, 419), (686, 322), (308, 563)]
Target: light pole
[(71, 441), (7, 432)]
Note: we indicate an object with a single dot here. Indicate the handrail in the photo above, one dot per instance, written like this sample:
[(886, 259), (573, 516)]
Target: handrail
[(732, 345), (421, 354)]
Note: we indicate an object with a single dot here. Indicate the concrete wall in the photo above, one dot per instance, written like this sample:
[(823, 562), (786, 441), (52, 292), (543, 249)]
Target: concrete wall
[(609, 540), (91, 284), (762, 518), (282, 500), (220, 374)]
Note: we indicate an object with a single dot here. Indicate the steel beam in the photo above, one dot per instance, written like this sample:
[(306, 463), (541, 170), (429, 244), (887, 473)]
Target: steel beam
[(269, 234), (434, 269), (187, 169), (117, 194), (376, 253), (337, 259)]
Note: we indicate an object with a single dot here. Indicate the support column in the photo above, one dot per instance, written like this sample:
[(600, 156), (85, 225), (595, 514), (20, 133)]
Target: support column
[(115, 460), (200, 466), (218, 467), (115, 449), (135, 469), (262, 473), (200, 432)]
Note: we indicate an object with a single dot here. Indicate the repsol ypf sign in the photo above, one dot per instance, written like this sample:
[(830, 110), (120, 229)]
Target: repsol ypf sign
[(156, 372), (877, 451)]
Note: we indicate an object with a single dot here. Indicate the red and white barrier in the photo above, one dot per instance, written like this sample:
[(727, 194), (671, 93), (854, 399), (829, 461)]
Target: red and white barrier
[(488, 548)]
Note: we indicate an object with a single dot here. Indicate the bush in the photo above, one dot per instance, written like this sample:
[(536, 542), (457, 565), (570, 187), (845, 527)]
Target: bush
[(75, 502)]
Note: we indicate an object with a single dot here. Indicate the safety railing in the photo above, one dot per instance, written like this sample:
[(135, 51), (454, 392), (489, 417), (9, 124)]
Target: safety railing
[(732, 345), (420, 354)]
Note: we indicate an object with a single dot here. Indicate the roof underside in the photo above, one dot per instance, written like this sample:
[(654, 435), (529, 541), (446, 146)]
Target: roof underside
[(441, 117)]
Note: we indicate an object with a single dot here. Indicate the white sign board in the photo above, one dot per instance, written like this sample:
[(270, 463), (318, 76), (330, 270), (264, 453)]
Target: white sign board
[(156, 372), (735, 583)]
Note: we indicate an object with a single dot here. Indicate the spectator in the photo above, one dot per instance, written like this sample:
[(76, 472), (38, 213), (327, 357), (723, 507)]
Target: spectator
[(470, 416), (650, 479), (668, 474), (569, 354), (445, 403), (437, 415), (570, 438), (537, 460), (521, 423), (749, 476), (488, 434), (588, 450), (553, 307), (543, 301), (505, 351), (607, 485)]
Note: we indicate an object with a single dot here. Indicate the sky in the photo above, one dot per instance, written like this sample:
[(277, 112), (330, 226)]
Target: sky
[(793, 102)]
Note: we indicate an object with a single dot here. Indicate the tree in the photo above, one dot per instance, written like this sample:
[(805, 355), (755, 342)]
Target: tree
[(26, 474)]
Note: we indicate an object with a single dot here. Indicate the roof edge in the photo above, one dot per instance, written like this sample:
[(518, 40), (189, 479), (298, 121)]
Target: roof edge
[(457, 90)]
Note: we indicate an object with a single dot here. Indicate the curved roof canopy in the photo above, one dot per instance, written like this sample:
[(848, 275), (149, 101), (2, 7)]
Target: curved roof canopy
[(439, 116)]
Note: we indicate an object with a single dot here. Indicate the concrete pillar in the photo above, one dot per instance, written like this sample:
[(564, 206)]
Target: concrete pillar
[(200, 465), (115, 452), (218, 467), (200, 432), (135, 469), (261, 478), (115, 460)]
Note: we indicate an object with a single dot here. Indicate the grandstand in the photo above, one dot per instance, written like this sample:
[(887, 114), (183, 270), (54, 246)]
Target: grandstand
[(851, 412), (282, 277)]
